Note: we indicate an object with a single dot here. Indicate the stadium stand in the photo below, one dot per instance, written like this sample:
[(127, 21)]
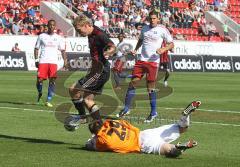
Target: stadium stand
[(18, 17), (184, 18)]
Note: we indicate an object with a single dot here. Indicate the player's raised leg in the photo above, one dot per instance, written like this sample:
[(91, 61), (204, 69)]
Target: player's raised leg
[(185, 119)]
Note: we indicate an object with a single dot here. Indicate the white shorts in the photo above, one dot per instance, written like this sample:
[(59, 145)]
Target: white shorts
[(151, 140)]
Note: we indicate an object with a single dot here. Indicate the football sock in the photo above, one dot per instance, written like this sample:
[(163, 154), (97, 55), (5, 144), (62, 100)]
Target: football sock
[(39, 87), (184, 121), (128, 99), (95, 113), (166, 76), (153, 101), (79, 105), (51, 88)]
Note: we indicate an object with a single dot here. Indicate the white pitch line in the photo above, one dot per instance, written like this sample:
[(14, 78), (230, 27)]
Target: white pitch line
[(168, 108), (220, 111), (25, 109), (195, 122), (215, 123)]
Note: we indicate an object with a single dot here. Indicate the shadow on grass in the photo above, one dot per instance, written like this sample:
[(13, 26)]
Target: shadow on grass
[(18, 103), (82, 148), (33, 140)]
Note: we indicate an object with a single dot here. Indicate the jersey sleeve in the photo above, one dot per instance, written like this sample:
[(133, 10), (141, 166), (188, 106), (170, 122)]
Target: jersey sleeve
[(38, 43)]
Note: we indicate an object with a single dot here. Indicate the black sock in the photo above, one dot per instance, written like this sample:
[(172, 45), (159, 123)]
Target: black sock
[(79, 106), (95, 113), (166, 76)]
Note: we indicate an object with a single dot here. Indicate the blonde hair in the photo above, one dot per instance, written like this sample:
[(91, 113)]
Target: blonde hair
[(82, 20)]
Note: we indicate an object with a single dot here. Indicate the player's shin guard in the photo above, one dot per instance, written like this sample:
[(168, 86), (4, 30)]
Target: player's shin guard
[(51, 88), (79, 105), (95, 113), (153, 102), (128, 99)]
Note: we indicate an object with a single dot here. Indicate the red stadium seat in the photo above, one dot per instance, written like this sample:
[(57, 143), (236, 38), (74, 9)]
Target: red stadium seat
[(195, 32), (189, 38), (195, 24), (1, 30)]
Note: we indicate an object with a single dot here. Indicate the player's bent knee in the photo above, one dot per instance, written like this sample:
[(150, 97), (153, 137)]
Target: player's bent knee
[(152, 90), (173, 152), (134, 82), (40, 79)]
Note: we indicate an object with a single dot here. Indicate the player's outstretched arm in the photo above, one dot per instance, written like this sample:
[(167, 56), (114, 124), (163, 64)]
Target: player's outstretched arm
[(168, 47), (36, 57), (139, 44), (110, 51), (64, 56)]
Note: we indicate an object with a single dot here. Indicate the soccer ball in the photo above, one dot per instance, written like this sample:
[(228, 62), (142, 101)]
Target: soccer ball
[(71, 123)]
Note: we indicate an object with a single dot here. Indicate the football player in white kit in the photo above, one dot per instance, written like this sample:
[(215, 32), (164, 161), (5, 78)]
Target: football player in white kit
[(49, 44), (151, 39)]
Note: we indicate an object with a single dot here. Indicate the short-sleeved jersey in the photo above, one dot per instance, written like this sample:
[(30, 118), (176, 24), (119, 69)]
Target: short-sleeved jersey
[(98, 41), (50, 46), (152, 40), (118, 136), (164, 56)]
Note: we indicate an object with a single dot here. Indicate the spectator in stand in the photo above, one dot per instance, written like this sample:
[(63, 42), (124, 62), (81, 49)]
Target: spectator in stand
[(227, 38), (15, 28), (1, 21), (216, 4), (7, 31), (41, 29), (224, 5), (212, 30), (31, 11), (165, 20), (17, 17), (88, 13), (28, 19), (177, 18), (98, 22), (15, 48), (203, 30)]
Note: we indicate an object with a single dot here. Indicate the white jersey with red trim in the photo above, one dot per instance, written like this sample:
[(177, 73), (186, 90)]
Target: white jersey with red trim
[(50, 46), (152, 40)]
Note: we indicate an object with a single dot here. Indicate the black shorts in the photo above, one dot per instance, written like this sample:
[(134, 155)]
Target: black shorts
[(164, 66), (93, 83)]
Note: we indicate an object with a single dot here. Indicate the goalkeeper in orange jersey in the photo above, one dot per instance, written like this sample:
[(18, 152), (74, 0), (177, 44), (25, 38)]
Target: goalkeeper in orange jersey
[(122, 137)]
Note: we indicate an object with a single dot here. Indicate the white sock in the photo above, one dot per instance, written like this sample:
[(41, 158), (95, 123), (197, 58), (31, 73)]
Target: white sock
[(184, 121)]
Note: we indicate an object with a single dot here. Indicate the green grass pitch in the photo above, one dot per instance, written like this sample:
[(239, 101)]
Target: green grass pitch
[(31, 136)]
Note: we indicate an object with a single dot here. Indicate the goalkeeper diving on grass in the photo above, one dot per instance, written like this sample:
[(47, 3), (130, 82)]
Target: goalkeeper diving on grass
[(122, 137)]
